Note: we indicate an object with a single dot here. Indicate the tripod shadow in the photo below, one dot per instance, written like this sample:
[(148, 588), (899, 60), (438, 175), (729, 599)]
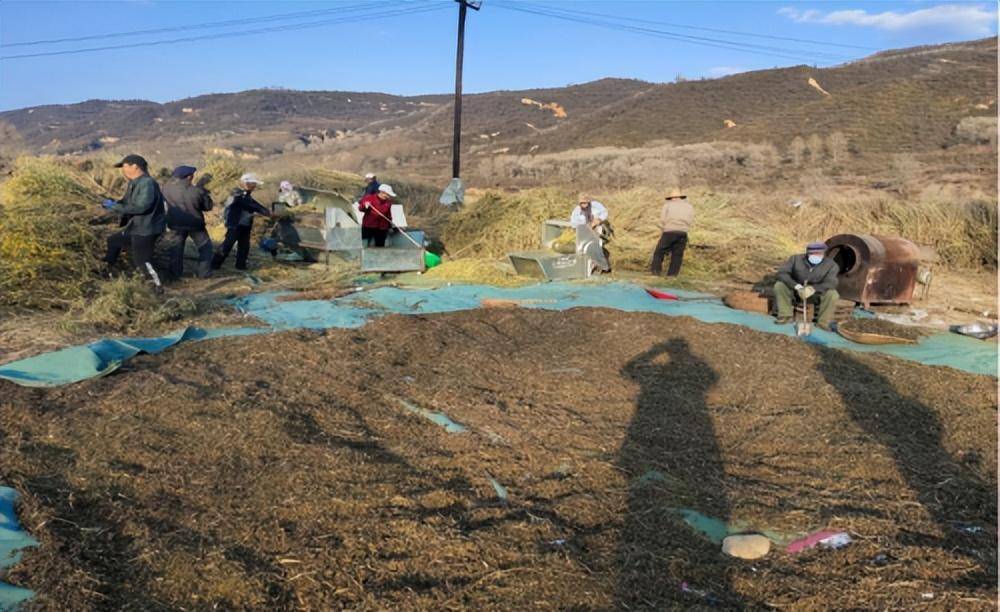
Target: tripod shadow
[(950, 493), (672, 460)]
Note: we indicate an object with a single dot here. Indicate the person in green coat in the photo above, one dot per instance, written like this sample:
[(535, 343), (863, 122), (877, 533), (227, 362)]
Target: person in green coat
[(143, 218), (812, 277)]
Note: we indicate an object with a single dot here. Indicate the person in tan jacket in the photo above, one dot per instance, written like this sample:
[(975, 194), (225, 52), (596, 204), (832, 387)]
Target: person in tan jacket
[(675, 221)]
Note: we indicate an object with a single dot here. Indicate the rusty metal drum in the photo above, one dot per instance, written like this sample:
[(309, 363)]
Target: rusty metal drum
[(875, 269)]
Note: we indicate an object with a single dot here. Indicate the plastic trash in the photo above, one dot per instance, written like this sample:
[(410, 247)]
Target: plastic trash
[(661, 295), (501, 491), (746, 546), (814, 539), (708, 597), (978, 330), (431, 260), (838, 540)]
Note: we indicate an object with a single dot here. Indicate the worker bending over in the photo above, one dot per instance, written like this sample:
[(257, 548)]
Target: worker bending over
[(811, 277)]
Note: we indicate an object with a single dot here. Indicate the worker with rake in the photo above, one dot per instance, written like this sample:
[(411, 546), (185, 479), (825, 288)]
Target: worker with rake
[(377, 211), (810, 277)]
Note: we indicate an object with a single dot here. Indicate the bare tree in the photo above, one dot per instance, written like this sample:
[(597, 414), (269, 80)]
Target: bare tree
[(815, 146), (797, 150), (836, 146)]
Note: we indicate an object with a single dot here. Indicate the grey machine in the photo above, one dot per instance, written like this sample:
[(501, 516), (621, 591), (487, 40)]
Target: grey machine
[(338, 232), (547, 264)]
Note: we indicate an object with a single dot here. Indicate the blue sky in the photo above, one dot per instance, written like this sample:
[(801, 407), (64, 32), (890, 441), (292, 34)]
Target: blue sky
[(412, 54)]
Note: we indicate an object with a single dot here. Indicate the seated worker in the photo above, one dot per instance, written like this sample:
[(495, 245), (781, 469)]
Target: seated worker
[(377, 211), (813, 278), (238, 215)]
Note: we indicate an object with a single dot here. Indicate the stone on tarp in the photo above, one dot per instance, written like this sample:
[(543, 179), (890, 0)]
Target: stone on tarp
[(746, 546)]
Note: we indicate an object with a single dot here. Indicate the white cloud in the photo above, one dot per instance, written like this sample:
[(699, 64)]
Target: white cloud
[(973, 20), (721, 71)]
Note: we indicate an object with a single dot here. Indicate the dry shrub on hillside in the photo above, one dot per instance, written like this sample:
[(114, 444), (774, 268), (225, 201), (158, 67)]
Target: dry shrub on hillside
[(48, 242), (662, 165), (977, 130)]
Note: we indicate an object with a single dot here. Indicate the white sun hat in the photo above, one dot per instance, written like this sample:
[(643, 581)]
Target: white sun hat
[(387, 189)]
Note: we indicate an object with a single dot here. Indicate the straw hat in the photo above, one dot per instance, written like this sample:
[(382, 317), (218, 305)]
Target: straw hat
[(584, 198), (676, 194)]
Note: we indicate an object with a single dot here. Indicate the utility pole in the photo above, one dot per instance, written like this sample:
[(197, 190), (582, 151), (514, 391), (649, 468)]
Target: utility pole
[(454, 193)]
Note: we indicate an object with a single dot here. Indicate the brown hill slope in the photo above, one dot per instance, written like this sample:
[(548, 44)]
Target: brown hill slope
[(904, 100)]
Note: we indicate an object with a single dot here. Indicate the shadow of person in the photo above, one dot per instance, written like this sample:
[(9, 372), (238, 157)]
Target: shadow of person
[(672, 460), (952, 494)]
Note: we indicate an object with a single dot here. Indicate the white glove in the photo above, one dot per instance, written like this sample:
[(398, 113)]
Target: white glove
[(806, 292), (798, 287)]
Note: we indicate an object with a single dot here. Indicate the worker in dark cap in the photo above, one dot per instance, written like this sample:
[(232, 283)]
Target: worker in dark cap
[(143, 218), (187, 203), (809, 277)]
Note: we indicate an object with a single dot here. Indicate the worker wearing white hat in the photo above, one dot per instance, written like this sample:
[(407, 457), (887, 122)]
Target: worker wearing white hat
[(371, 186), (377, 210), (238, 215)]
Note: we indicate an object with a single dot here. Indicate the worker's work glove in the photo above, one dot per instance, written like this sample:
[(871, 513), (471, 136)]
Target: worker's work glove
[(108, 203), (806, 292)]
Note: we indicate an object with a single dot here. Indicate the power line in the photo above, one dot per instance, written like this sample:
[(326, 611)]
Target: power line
[(281, 28), (196, 26), (793, 54), (703, 29)]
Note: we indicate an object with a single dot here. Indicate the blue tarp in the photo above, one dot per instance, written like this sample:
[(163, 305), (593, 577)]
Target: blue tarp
[(81, 362), (99, 358), (12, 540), (354, 310)]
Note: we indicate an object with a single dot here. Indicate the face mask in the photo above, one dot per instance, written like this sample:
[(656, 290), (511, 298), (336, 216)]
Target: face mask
[(815, 259)]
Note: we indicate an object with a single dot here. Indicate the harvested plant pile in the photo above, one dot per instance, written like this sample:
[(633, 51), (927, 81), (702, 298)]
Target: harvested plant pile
[(484, 271), (49, 242), (223, 474), (883, 328), (128, 304), (735, 235)]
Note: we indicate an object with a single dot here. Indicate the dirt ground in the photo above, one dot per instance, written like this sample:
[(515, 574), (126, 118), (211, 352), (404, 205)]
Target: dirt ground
[(286, 471)]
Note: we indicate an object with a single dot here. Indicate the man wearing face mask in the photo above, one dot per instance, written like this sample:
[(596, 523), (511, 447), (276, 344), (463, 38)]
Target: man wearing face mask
[(813, 278)]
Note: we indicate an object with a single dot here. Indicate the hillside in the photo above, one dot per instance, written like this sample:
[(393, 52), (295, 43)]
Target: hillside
[(903, 100)]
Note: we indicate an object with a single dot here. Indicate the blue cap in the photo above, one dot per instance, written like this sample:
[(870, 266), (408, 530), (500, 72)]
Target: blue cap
[(816, 246), (184, 171)]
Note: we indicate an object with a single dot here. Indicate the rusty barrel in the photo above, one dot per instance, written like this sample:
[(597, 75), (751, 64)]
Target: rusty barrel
[(875, 269)]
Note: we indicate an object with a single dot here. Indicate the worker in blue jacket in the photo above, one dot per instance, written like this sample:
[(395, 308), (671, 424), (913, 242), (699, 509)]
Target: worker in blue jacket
[(238, 215)]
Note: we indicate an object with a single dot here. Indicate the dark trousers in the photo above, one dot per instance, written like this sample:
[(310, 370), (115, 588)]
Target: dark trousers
[(675, 242), (240, 236), (140, 248), (369, 234), (201, 241)]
